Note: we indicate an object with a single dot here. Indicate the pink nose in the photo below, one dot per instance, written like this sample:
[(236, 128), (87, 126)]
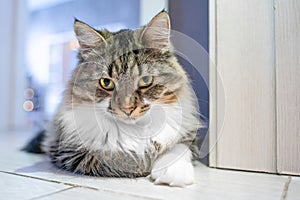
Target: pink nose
[(128, 110)]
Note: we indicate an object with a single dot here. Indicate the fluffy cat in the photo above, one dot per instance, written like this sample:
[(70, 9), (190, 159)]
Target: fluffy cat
[(128, 109)]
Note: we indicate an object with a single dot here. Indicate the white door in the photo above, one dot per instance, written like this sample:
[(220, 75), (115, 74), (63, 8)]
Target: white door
[(255, 89)]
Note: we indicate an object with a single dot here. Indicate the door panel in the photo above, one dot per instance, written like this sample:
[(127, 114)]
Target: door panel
[(244, 58)]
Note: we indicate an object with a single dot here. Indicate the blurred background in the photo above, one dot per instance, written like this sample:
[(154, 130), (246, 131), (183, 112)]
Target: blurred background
[(38, 49)]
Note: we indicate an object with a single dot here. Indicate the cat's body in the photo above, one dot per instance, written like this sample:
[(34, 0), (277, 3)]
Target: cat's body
[(128, 110)]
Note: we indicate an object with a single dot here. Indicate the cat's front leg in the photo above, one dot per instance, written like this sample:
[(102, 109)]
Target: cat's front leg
[(166, 139), (174, 167)]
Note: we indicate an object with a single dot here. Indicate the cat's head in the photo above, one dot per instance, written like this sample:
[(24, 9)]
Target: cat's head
[(131, 69)]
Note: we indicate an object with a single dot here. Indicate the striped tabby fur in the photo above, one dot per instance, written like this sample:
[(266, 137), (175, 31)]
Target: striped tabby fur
[(122, 132)]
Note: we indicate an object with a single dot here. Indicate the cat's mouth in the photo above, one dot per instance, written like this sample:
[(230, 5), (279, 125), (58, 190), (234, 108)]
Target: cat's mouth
[(129, 114)]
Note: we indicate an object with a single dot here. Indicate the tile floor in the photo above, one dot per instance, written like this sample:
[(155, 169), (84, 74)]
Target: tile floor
[(28, 176)]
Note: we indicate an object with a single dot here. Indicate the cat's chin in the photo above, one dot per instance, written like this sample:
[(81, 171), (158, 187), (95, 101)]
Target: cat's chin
[(129, 120)]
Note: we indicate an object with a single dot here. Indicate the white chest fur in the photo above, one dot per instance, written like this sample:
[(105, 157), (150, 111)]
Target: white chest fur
[(95, 128)]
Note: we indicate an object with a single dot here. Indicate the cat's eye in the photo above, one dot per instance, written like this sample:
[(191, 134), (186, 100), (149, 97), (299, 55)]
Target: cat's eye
[(107, 84), (145, 81)]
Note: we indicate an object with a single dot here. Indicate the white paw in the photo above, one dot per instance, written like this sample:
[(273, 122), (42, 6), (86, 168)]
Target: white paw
[(174, 168)]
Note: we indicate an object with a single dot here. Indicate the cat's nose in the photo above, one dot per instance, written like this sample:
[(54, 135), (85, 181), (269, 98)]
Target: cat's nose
[(128, 110)]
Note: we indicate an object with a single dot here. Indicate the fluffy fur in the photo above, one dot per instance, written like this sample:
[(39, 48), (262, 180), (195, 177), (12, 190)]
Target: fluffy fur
[(127, 131)]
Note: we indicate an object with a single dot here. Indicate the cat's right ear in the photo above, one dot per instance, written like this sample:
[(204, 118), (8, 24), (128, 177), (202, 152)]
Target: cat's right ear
[(86, 35), (157, 33)]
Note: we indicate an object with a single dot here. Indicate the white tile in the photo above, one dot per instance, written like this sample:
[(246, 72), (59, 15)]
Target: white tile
[(229, 184), (294, 189), (210, 183), (89, 194), (15, 140), (17, 187)]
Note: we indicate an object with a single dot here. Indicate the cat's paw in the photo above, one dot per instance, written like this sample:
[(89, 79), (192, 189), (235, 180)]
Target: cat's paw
[(178, 174), (174, 171)]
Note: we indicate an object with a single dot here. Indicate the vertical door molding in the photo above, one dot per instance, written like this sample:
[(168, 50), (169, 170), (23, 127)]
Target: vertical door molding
[(212, 84), (287, 40)]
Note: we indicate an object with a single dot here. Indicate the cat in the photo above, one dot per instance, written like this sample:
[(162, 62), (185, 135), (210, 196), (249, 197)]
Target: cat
[(128, 109)]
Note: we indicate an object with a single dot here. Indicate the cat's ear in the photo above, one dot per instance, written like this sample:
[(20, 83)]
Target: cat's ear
[(86, 35), (157, 33)]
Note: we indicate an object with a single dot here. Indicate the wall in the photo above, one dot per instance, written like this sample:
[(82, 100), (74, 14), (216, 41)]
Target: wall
[(60, 18), (149, 8), (191, 18), (13, 19)]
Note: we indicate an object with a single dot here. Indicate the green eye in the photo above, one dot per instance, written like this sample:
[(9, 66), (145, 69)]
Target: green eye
[(145, 81), (107, 84)]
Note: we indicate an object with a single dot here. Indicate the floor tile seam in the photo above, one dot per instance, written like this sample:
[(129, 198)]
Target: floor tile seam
[(79, 186), (285, 188), (52, 193)]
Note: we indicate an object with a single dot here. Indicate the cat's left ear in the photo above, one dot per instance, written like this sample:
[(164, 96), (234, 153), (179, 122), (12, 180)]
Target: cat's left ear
[(86, 35), (157, 33)]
